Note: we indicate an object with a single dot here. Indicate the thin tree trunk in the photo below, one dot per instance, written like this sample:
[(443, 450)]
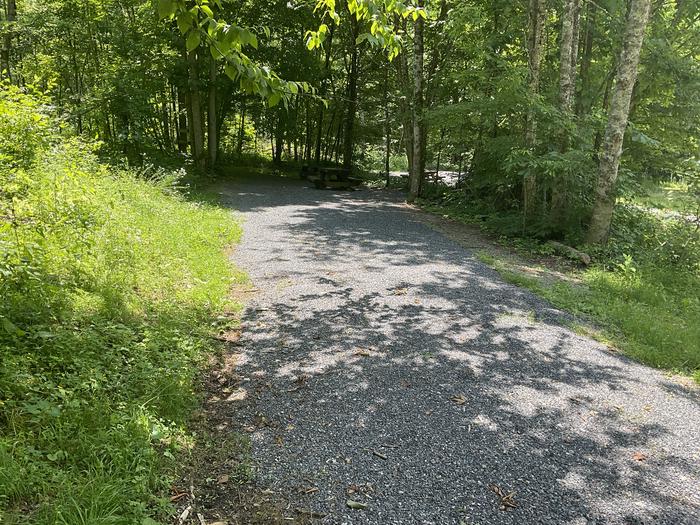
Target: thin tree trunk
[(536, 19), (611, 149), (321, 110), (416, 174), (387, 127), (241, 128), (212, 129), (181, 121), (349, 131)]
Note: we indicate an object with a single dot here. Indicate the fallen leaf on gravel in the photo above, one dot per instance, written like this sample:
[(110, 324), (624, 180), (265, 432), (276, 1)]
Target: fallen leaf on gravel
[(639, 456), (221, 480), (401, 291), (459, 399), (355, 504), (279, 441), (507, 500), (362, 351), (219, 523)]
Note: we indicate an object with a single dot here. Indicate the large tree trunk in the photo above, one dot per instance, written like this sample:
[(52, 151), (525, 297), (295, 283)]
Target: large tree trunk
[(568, 53), (196, 124), (212, 128), (611, 149), (349, 131), (418, 164), (536, 19)]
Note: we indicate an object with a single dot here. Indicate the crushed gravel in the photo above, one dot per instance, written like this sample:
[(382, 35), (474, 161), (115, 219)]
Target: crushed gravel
[(381, 363)]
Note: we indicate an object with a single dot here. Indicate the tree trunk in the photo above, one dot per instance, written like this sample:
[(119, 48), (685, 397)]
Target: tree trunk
[(212, 129), (611, 149), (349, 131), (196, 129), (416, 175), (321, 108), (181, 121), (568, 53), (6, 55), (241, 129), (387, 127), (536, 19), (586, 58)]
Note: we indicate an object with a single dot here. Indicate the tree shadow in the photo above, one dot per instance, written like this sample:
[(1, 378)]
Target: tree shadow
[(382, 363)]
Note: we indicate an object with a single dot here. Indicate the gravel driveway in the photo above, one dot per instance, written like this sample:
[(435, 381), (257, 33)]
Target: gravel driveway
[(382, 363)]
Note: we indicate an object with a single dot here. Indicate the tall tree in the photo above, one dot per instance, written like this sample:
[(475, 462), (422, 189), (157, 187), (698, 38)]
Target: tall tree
[(418, 164), (611, 149), (537, 12), (568, 53)]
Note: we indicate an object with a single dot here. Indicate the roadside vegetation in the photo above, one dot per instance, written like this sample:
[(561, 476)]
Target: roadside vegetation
[(110, 282), (642, 292)]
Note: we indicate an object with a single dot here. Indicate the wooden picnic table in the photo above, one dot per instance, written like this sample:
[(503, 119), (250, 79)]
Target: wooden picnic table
[(330, 177)]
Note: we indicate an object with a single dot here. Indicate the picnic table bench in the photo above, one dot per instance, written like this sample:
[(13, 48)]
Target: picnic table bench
[(330, 177), (434, 177)]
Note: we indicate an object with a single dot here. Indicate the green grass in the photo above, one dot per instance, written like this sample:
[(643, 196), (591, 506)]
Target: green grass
[(666, 195), (111, 287), (652, 315)]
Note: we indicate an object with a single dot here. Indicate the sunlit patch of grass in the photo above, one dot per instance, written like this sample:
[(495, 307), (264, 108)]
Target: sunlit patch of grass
[(651, 314), (666, 195)]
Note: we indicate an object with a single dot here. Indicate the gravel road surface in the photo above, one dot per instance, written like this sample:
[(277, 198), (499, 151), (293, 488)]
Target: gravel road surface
[(382, 363)]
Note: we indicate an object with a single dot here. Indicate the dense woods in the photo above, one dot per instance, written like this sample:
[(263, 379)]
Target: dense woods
[(555, 120), (530, 101)]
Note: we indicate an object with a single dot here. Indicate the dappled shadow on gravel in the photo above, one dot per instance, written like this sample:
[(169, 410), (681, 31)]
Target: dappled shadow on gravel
[(381, 363)]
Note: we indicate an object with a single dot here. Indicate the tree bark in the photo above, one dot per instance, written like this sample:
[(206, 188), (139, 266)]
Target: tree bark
[(181, 121), (418, 164), (568, 53), (349, 131), (387, 127), (536, 19), (611, 149), (6, 55), (321, 111), (241, 128), (212, 128), (196, 129)]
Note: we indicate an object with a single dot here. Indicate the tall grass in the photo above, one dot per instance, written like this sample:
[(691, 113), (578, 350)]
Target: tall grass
[(110, 283)]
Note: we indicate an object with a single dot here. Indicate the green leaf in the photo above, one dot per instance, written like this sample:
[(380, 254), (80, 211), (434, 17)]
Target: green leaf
[(274, 99), (166, 8), (193, 40), (11, 328), (231, 72), (184, 22)]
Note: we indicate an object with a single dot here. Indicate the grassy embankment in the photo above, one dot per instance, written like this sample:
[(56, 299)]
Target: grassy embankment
[(111, 286)]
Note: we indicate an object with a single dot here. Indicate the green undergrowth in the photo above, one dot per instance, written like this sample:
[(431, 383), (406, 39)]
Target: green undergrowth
[(642, 293), (111, 284)]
